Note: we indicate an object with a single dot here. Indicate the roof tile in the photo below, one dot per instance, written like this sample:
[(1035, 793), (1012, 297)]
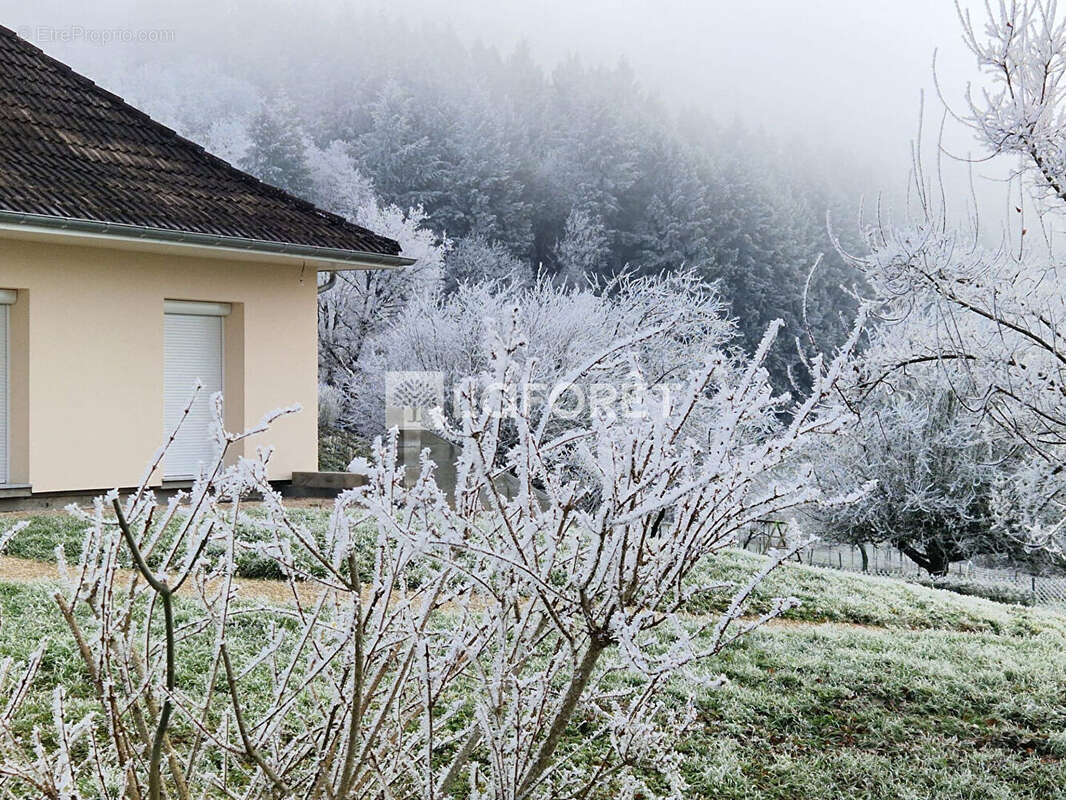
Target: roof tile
[(71, 149)]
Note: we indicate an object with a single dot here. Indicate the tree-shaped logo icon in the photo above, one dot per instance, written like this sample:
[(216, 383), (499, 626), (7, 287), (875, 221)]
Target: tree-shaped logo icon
[(409, 395)]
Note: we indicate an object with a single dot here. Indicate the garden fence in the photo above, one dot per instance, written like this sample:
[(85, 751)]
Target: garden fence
[(889, 561)]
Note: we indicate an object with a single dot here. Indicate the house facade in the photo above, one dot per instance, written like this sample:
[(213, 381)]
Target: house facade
[(133, 265)]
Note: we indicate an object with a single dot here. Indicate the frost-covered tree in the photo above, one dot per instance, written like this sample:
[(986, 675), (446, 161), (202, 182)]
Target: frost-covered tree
[(593, 162), (401, 149), (679, 219), (484, 194), (931, 473), (565, 326), (229, 139), (584, 248), (996, 318), (355, 305), (276, 152), (474, 259), (337, 184)]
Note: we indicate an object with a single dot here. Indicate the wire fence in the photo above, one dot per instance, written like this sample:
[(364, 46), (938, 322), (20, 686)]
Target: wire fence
[(890, 562)]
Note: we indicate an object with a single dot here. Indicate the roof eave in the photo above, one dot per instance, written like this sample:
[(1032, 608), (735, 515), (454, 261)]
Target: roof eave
[(326, 258)]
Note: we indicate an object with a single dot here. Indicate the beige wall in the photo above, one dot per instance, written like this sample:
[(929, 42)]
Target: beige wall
[(89, 322)]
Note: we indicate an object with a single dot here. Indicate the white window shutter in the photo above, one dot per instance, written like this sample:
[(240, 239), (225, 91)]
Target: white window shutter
[(192, 351)]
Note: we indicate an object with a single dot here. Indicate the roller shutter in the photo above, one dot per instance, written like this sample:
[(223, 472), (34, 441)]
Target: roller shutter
[(192, 352)]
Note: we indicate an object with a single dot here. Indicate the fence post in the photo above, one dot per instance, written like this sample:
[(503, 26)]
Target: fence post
[(840, 560)]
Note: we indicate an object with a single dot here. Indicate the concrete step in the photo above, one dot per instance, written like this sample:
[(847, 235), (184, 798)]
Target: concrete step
[(322, 484)]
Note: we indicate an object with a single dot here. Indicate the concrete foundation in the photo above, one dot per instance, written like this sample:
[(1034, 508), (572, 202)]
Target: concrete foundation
[(322, 484)]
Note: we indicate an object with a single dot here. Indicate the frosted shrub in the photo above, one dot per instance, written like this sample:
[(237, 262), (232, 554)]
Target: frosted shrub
[(430, 648)]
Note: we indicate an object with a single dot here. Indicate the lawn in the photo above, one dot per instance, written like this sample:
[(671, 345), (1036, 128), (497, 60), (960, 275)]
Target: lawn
[(871, 689), (835, 711)]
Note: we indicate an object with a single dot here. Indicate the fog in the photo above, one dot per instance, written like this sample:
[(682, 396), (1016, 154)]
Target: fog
[(843, 73), (843, 77)]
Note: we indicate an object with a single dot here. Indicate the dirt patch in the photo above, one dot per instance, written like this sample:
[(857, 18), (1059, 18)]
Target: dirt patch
[(24, 570)]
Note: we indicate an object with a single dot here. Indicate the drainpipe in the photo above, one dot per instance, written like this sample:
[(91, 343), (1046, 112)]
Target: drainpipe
[(331, 281)]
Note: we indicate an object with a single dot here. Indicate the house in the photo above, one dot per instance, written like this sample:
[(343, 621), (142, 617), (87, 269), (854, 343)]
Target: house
[(132, 263)]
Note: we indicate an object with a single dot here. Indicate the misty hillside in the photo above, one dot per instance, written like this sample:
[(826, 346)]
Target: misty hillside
[(577, 172)]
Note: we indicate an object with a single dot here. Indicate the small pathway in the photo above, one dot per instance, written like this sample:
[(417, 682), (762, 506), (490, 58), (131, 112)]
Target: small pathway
[(25, 570)]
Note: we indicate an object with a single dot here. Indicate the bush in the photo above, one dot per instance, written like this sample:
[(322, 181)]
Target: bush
[(337, 448)]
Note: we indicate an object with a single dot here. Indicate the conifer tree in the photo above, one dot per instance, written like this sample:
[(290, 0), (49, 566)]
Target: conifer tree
[(277, 151)]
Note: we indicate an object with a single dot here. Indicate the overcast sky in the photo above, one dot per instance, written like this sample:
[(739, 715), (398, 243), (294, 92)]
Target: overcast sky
[(844, 75)]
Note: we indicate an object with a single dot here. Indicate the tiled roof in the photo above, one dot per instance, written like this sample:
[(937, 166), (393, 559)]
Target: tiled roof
[(70, 149)]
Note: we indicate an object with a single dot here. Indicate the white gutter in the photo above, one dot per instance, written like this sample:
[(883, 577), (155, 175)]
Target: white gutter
[(327, 258)]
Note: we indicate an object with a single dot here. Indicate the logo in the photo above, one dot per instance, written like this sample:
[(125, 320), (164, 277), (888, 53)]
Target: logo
[(410, 395)]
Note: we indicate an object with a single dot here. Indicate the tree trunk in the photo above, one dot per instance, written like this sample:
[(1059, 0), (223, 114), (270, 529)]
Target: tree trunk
[(936, 560), (579, 681)]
